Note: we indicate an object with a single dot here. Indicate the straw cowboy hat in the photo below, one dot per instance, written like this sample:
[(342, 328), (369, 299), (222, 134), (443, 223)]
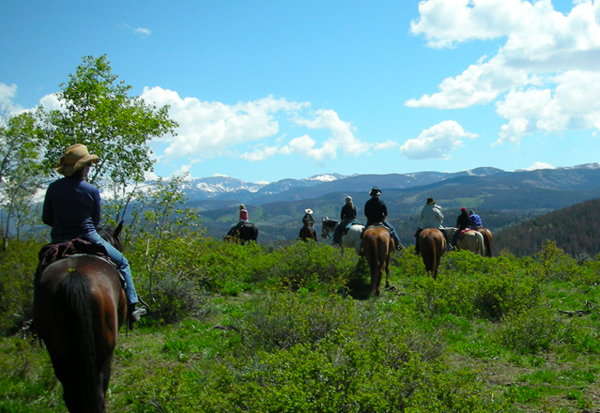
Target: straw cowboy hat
[(308, 211), (76, 157)]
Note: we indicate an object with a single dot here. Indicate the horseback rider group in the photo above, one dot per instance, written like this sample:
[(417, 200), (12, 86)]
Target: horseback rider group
[(376, 212)]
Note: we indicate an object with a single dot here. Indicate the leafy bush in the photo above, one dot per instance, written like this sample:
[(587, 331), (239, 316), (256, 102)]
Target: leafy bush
[(309, 265), (529, 332), (473, 286), (17, 266)]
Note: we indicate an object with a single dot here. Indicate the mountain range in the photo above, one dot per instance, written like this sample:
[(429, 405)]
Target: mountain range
[(502, 198)]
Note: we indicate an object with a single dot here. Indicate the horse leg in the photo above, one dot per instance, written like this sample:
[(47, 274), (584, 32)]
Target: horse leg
[(375, 271), (385, 262)]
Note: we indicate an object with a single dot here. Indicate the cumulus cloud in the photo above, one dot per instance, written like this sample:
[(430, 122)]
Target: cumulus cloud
[(539, 165), (437, 141), (545, 73), (50, 102), (252, 129), (7, 93)]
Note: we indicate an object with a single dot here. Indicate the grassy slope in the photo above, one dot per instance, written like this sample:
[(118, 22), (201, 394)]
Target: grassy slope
[(487, 336)]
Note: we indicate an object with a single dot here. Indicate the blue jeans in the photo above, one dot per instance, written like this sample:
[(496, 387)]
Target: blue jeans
[(392, 231), (122, 265)]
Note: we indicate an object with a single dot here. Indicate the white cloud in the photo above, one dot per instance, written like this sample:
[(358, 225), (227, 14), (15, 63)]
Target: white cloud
[(50, 102), (209, 129), (570, 105), (342, 136), (437, 141), (142, 32), (539, 165), (261, 154), (385, 145), (547, 68), (7, 93)]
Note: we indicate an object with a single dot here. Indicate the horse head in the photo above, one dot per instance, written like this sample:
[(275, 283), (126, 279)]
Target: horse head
[(113, 237), (328, 225)]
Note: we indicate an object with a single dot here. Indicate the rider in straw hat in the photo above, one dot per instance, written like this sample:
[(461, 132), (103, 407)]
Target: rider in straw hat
[(72, 209), (309, 221)]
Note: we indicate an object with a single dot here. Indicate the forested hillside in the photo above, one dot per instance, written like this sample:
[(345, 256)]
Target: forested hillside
[(575, 229), (503, 199)]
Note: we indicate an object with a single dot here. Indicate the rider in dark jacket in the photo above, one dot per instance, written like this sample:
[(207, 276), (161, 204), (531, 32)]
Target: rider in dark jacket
[(376, 212), (347, 216), (462, 222), (72, 208)]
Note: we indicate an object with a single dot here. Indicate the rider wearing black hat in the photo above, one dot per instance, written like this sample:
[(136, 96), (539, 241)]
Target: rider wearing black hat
[(376, 212)]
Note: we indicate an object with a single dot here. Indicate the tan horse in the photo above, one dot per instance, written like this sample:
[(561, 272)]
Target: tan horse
[(471, 240), (377, 247), (432, 245), (487, 239)]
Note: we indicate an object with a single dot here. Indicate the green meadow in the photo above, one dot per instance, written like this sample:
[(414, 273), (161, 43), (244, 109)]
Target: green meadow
[(291, 328)]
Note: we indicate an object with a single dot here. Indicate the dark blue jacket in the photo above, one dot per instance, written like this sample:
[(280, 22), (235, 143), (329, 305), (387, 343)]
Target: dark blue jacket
[(71, 208)]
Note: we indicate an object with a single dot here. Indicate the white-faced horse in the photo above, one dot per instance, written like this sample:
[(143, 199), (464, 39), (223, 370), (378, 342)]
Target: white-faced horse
[(349, 240)]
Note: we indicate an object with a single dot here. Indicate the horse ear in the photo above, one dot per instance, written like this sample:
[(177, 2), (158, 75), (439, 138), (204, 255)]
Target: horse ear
[(119, 228)]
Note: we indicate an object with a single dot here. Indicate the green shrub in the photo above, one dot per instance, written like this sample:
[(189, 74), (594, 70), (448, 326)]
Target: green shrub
[(173, 299), (531, 331), (473, 286), (311, 265), (17, 267)]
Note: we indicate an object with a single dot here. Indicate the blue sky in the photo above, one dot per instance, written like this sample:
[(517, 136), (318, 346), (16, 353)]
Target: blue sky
[(270, 90)]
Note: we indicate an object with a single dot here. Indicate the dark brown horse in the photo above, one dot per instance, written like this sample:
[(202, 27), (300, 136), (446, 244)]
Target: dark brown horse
[(377, 248), (245, 233), (307, 233), (79, 305), (487, 240), (432, 245)]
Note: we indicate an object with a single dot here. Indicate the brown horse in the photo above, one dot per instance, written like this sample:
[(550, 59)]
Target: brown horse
[(377, 247), (307, 233), (487, 240), (432, 245), (79, 305)]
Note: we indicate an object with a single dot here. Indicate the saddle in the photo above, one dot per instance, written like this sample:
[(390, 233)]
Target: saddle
[(348, 225), (463, 232), (51, 253), (376, 225)]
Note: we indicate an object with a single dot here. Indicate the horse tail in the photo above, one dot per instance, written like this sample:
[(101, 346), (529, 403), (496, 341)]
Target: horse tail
[(74, 292), (480, 244), (487, 239)]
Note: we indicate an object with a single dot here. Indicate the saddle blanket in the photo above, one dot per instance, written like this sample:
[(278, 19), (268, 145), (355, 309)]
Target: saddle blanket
[(53, 252)]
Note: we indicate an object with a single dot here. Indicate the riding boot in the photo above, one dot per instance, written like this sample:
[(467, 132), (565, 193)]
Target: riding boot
[(134, 315), (449, 246), (417, 240)]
